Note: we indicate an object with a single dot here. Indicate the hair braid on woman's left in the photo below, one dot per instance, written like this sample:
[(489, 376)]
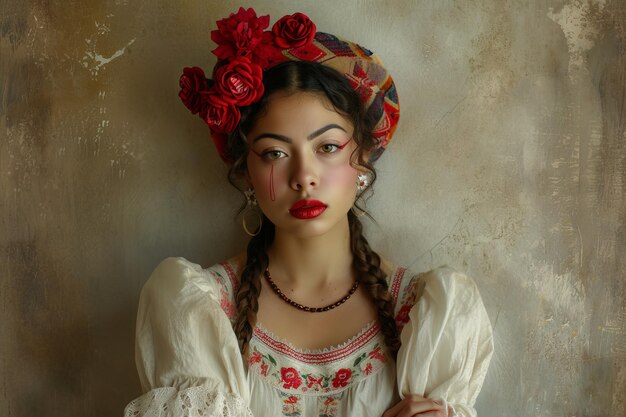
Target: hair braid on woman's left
[(366, 263)]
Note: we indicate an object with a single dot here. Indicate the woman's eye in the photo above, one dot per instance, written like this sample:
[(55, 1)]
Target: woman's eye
[(329, 148), (274, 155)]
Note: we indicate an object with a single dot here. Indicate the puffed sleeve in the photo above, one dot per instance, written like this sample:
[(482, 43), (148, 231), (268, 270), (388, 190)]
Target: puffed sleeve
[(186, 351), (447, 343)]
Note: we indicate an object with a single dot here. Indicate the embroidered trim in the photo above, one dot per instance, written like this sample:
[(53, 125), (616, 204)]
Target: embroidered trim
[(227, 287), (395, 284), (289, 376), (232, 275), (410, 294), (319, 357), (327, 406)]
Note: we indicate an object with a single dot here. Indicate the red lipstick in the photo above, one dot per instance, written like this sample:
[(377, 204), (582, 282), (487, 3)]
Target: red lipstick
[(307, 209)]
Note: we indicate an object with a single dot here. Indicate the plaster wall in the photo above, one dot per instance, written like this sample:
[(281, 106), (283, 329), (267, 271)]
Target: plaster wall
[(509, 163)]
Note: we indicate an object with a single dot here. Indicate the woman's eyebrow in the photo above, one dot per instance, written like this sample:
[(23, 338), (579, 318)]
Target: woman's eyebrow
[(324, 129), (313, 135)]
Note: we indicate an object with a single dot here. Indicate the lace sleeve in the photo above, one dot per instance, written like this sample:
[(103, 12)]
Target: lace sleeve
[(194, 401)]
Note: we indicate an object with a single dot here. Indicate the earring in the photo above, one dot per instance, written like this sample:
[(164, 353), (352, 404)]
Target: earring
[(252, 207), (362, 182)]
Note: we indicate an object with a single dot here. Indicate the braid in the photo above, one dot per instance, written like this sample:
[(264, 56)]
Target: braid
[(366, 263), (247, 296)]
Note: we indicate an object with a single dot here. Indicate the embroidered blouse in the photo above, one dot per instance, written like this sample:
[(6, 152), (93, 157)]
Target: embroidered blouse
[(189, 362)]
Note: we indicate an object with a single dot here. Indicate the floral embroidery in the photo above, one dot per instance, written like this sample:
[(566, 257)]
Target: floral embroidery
[(402, 317), (314, 382), (377, 354), (228, 284), (228, 307), (327, 406), (407, 301), (291, 405), (368, 369), (255, 357), (292, 379), (342, 377)]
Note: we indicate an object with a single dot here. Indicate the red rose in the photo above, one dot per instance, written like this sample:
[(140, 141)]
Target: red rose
[(293, 31), (290, 378), (192, 83), (219, 114), (240, 82), (242, 34), (342, 377)]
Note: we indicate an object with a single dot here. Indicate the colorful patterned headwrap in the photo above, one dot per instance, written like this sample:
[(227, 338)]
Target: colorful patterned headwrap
[(245, 51)]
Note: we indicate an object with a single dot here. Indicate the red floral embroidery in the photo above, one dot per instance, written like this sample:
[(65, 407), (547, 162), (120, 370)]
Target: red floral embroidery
[(255, 357), (368, 369), (402, 317), (227, 307), (291, 400), (290, 378), (314, 382), (290, 406), (377, 354), (342, 377)]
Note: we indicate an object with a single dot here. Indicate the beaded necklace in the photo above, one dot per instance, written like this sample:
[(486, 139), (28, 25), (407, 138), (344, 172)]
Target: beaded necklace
[(299, 306)]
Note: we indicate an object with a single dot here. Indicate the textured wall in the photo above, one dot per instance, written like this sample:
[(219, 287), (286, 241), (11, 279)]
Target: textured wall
[(509, 163)]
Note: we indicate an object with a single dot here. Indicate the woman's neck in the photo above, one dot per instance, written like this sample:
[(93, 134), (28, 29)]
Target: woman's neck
[(312, 261)]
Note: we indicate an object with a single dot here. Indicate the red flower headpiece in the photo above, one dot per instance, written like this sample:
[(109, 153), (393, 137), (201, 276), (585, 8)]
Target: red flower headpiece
[(245, 49)]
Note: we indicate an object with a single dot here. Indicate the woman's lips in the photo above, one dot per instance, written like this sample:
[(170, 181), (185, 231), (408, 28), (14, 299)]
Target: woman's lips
[(307, 209)]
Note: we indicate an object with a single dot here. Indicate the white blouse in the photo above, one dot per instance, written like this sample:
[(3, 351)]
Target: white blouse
[(189, 362)]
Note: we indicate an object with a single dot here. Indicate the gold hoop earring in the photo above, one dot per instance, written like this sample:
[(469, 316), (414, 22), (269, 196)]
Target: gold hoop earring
[(252, 207)]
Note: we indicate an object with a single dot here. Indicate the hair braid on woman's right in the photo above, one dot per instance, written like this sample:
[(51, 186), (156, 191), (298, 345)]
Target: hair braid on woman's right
[(366, 263), (247, 295)]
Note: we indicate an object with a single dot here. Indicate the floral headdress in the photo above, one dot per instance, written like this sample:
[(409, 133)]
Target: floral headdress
[(245, 49)]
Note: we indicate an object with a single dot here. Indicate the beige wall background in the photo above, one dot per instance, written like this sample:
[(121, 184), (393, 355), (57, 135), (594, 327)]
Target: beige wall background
[(509, 163)]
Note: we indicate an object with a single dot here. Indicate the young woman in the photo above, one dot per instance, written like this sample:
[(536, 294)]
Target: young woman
[(310, 321)]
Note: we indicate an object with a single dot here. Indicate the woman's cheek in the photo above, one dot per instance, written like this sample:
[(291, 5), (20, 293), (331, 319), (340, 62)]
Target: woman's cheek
[(342, 175)]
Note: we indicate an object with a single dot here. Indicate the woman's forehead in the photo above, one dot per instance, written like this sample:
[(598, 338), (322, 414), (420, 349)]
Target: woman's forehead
[(299, 114)]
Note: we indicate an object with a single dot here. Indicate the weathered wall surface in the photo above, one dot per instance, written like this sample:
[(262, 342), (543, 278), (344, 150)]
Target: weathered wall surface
[(509, 163)]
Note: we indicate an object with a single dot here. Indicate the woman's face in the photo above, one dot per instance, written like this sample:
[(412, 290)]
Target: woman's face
[(299, 164)]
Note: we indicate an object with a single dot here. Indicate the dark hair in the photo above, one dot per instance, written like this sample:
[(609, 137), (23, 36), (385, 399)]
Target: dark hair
[(288, 78)]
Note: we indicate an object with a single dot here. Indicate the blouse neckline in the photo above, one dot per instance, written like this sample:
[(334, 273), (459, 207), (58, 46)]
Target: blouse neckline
[(321, 355)]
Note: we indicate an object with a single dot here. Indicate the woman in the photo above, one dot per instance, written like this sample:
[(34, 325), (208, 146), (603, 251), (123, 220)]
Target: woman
[(310, 321)]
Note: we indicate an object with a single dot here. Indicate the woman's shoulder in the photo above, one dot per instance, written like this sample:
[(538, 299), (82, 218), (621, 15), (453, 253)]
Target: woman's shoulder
[(176, 279), (443, 286)]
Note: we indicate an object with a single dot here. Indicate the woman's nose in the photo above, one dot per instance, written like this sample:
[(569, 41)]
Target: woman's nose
[(304, 175)]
